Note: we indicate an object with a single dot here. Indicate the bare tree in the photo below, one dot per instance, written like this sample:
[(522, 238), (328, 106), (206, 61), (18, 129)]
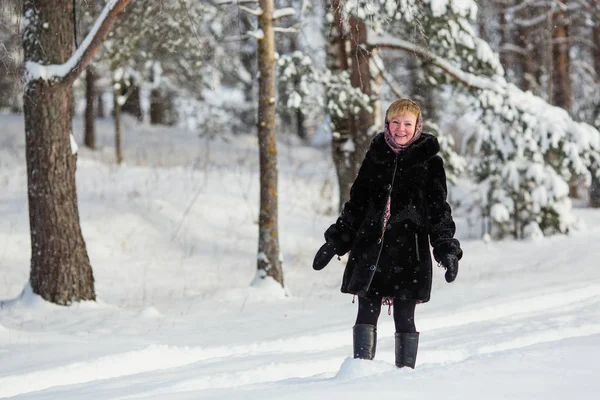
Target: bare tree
[(60, 266), (268, 237)]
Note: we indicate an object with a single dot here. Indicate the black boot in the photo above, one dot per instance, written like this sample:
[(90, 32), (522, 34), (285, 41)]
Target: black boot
[(365, 341), (406, 349)]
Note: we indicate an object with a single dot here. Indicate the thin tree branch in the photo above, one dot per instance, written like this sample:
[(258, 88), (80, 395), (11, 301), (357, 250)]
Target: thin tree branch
[(385, 41), (387, 78)]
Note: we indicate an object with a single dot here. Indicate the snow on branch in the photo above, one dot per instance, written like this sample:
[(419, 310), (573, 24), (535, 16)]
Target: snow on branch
[(283, 12), (383, 40), (257, 34), (66, 73), (257, 12), (285, 30)]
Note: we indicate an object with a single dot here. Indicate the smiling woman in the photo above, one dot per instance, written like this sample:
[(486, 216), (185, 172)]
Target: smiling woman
[(397, 207), (403, 123)]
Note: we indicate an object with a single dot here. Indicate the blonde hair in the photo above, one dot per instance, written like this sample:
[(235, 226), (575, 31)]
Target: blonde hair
[(403, 106)]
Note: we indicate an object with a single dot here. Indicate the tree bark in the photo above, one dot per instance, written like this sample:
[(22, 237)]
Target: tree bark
[(90, 95), (60, 266), (268, 260)]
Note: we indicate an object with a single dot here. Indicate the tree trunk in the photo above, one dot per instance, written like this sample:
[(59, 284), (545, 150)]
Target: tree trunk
[(362, 125), (351, 134), (60, 266), (132, 103), (549, 55), (298, 114), (523, 64), (561, 85), (594, 193), (90, 95), (300, 128), (505, 56), (337, 62), (157, 112), (268, 260), (161, 107), (100, 108), (117, 121)]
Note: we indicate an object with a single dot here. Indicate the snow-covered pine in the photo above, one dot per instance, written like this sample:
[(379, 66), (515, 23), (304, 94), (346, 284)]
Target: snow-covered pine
[(524, 150), (314, 86)]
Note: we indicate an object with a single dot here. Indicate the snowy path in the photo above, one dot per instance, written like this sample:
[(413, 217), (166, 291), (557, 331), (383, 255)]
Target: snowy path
[(519, 327)]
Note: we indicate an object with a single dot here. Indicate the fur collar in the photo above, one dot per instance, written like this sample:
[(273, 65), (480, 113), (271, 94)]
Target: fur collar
[(423, 149)]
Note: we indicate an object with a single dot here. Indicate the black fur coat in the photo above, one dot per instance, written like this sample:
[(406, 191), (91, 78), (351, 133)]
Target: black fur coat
[(400, 264)]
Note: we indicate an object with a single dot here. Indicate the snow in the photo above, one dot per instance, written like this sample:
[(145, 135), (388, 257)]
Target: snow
[(183, 314), (74, 147)]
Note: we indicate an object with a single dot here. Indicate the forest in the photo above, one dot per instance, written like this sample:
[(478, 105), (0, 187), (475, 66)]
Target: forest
[(157, 156)]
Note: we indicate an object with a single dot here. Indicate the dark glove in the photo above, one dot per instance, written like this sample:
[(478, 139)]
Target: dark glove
[(450, 262), (324, 255)]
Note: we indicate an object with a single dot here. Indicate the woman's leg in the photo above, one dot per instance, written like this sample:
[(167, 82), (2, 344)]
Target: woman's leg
[(364, 332), (407, 337), (404, 315), (368, 310)]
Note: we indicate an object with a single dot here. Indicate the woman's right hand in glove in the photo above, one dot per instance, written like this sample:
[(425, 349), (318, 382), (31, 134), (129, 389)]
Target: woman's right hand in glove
[(324, 255)]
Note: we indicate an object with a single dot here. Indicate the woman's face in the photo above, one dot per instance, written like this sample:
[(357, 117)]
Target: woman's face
[(402, 127)]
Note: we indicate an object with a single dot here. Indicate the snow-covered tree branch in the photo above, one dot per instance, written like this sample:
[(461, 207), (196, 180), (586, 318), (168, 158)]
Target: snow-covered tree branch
[(65, 74)]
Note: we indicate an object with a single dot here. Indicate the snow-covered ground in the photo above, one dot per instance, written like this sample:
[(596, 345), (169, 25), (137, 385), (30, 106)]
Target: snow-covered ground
[(172, 237)]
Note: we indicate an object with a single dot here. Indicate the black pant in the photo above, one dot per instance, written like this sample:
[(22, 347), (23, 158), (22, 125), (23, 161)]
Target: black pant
[(404, 313)]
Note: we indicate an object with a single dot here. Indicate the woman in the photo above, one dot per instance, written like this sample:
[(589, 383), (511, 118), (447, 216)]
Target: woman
[(397, 207)]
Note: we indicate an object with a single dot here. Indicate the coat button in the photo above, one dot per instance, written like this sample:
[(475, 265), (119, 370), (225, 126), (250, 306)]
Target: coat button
[(372, 268), (388, 187)]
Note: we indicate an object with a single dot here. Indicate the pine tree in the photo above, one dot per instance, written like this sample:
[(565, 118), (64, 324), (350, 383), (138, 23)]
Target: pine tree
[(60, 266)]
